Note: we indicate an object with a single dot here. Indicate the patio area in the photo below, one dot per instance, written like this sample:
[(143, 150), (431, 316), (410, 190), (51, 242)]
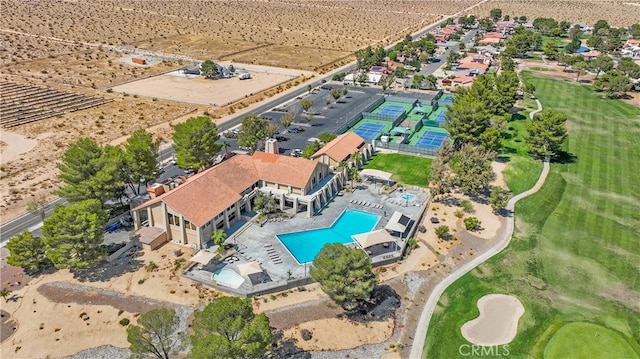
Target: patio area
[(280, 270)]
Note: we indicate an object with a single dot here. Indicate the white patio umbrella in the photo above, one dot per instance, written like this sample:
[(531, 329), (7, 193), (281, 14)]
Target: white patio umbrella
[(249, 268)]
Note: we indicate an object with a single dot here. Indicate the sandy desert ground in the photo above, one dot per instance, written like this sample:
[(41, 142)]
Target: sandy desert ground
[(616, 12), (208, 92)]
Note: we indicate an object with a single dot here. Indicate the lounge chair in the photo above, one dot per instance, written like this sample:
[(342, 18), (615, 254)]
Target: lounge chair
[(278, 261)]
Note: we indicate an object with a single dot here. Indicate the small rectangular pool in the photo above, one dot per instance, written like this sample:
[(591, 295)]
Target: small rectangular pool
[(304, 246)]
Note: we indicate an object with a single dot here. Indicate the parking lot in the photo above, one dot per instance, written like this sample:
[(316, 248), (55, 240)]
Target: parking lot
[(326, 117)]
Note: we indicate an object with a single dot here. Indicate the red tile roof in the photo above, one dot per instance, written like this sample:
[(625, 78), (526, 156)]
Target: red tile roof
[(341, 147), (213, 190)]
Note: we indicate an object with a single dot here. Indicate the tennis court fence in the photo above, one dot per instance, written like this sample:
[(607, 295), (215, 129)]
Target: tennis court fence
[(404, 148), (352, 121)]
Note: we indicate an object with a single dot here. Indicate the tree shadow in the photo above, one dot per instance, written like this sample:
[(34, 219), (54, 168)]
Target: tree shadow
[(503, 212), (518, 116), (282, 348), (105, 271), (564, 157), (381, 306), (503, 159)]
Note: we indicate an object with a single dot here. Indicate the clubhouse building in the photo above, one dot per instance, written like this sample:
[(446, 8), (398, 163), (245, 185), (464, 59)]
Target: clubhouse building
[(187, 211)]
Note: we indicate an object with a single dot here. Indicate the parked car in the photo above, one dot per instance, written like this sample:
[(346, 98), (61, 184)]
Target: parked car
[(326, 87), (296, 152), (281, 138), (292, 130), (300, 129)]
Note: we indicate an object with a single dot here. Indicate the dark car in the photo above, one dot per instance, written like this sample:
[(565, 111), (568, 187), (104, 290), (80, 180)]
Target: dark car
[(326, 87), (281, 138), (299, 129), (292, 130)]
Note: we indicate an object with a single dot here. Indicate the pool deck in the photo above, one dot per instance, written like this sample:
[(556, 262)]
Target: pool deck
[(260, 244)]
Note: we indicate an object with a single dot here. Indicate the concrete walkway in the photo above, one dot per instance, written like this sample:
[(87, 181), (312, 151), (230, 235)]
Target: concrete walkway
[(503, 242)]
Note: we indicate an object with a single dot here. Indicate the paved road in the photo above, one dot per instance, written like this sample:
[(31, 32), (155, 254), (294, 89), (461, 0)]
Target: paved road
[(427, 311)]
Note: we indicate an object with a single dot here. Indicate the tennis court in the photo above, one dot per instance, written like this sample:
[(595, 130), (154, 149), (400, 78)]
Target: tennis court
[(440, 118), (431, 139), (369, 131), (391, 110)]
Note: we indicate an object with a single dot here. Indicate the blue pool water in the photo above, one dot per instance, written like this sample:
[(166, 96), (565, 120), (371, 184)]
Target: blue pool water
[(304, 246), (408, 197)]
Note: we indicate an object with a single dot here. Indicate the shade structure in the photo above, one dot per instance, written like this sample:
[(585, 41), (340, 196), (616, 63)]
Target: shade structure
[(402, 130), (249, 268), (372, 238), (375, 173), (398, 222), (203, 257)]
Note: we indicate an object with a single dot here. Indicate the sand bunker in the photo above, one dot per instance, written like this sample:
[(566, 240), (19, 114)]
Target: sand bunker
[(497, 323)]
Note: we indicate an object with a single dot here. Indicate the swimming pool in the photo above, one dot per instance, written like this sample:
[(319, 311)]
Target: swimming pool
[(228, 278), (304, 246), (408, 197)]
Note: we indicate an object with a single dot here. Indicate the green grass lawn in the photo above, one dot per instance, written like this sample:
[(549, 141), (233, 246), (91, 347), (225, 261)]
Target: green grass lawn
[(522, 170), (595, 342), (575, 254), (409, 170)]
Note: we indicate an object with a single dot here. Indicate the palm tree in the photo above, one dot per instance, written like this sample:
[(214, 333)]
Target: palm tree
[(218, 236), (356, 158), (225, 145)]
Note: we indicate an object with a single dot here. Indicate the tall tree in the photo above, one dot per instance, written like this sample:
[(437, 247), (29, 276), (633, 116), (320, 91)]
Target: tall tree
[(471, 166), (228, 328), (547, 131), (287, 119), (572, 46), (27, 251), (141, 154), (602, 63), (629, 68), (306, 105), (466, 120), (37, 205), (73, 234), (195, 143), (614, 83), (575, 32), (345, 274), (254, 130), (154, 334), (79, 164), (108, 182), (551, 50), (209, 69), (440, 180), (490, 139), (498, 198), (506, 92), (580, 68), (495, 14)]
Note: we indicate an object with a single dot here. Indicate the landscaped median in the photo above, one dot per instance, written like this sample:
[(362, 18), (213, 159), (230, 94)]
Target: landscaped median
[(573, 257)]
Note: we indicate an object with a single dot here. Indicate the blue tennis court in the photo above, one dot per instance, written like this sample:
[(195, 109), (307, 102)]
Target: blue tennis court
[(431, 139), (441, 118), (391, 110), (447, 100), (369, 131)]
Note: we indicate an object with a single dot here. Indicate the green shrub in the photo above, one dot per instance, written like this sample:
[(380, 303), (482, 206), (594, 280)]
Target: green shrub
[(471, 223), (124, 322), (442, 231), (150, 266), (467, 206)]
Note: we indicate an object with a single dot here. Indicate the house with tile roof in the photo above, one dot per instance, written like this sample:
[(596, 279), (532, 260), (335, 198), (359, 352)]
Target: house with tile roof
[(221, 195), (341, 148)]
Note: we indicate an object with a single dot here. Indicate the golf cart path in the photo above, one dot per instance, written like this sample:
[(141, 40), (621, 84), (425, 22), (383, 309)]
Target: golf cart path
[(427, 311)]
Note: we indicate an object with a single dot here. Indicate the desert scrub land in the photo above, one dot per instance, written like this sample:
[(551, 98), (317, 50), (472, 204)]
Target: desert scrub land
[(616, 12), (219, 30)]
